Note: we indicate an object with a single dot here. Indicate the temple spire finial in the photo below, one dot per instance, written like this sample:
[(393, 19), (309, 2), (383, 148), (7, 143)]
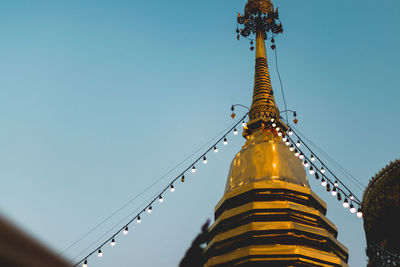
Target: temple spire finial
[(259, 19)]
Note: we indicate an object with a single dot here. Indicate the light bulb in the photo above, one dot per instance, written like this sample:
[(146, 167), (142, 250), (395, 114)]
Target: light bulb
[(172, 188), (204, 160), (345, 203), (112, 242), (336, 183), (290, 132), (284, 139), (359, 213), (311, 171), (339, 196), (287, 142), (183, 178), (279, 134), (301, 156), (149, 210), (277, 129), (312, 158), (351, 197), (306, 164), (193, 169), (274, 124), (334, 192), (215, 149), (298, 143), (352, 209), (316, 175), (322, 170), (138, 219), (160, 199), (125, 232), (235, 131), (225, 141), (84, 263), (328, 187), (291, 148), (296, 153), (243, 123), (100, 254), (272, 120), (323, 182)]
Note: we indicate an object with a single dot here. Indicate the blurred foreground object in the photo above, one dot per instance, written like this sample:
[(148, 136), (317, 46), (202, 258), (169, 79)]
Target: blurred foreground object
[(381, 206), (17, 249), (194, 255)]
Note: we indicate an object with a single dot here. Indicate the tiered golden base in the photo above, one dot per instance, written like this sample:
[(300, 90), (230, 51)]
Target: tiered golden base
[(275, 223)]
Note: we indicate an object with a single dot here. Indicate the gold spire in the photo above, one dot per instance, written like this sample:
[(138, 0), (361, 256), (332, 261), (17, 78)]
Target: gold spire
[(263, 104), (268, 215), (260, 18)]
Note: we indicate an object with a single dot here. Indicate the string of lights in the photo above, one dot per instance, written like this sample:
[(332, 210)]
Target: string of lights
[(159, 197), (165, 175), (309, 163), (354, 180), (334, 185), (324, 166), (325, 181), (340, 168)]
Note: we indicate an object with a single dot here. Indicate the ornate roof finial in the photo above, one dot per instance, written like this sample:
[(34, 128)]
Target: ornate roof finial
[(259, 19)]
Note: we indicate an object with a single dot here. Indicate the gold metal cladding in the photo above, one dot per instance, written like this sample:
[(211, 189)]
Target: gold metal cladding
[(274, 205), (282, 253), (279, 225), (260, 46), (265, 158), (265, 6), (263, 104), (269, 184)]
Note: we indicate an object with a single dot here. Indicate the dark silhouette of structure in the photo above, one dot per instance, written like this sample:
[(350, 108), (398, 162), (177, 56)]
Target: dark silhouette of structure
[(194, 255), (381, 208)]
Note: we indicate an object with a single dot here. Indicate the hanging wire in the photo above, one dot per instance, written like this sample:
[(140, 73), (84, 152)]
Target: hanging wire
[(280, 81), (121, 222), (337, 189), (142, 192), (154, 198), (337, 179), (353, 179)]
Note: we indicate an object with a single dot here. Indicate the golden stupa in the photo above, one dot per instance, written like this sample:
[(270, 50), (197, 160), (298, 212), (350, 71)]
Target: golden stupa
[(268, 215)]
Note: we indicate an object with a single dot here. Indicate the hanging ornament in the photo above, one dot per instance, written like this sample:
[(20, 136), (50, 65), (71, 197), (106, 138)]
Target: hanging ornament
[(295, 118), (238, 37), (272, 40), (273, 47), (233, 115), (237, 30), (251, 45)]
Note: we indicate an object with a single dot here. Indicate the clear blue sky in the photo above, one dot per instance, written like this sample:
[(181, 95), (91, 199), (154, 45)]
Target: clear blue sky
[(98, 99)]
